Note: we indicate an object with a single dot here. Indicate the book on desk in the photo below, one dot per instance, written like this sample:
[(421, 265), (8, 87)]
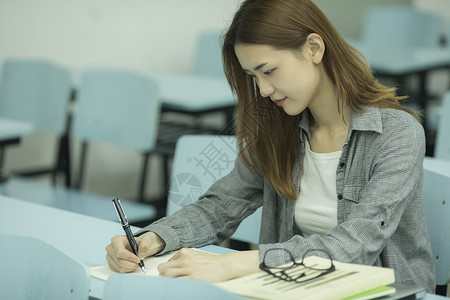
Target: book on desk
[(345, 281), (350, 281)]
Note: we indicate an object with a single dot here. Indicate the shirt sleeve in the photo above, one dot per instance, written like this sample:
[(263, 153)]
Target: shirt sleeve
[(217, 213)]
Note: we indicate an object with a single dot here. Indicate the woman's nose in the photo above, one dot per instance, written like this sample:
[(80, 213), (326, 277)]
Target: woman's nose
[(265, 88)]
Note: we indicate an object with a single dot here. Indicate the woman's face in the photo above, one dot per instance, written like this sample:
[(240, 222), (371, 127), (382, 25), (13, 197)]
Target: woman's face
[(289, 78)]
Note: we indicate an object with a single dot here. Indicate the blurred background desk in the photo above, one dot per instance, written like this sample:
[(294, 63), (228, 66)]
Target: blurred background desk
[(10, 133), (193, 93), (399, 63), (196, 95), (12, 130), (88, 204)]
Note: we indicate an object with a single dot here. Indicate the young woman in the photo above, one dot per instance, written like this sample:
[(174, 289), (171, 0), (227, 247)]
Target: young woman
[(327, 151)]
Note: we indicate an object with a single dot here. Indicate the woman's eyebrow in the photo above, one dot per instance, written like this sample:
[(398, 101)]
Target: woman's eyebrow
[(257, 67)]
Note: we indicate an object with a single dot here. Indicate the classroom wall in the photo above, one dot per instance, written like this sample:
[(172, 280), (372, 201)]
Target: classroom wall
[(348, 15), (142, 35), (137, 34)]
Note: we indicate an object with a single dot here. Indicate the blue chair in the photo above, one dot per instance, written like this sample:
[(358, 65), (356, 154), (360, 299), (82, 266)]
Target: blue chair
[(199, 161), (402, 25), (138, 287), (442, 148), (33, 269), (38, 92), (122, 109), (208, 55), (436, 202), (119, 108)]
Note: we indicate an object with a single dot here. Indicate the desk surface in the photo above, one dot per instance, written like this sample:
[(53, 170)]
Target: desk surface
[(190, 92), (399, 61), (10, 129), (72, 200), (81, 237)]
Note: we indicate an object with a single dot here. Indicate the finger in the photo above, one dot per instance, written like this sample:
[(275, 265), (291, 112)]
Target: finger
[(182, 252), (170, 269), (111, 257), (118, 251), (162, 267), (121, 265), (176, 255), (119, 241)]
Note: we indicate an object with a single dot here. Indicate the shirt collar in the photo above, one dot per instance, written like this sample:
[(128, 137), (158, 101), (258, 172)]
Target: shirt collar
[(369, 119)]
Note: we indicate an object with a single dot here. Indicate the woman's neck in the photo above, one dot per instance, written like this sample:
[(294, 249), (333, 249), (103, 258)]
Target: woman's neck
[(328, 124)]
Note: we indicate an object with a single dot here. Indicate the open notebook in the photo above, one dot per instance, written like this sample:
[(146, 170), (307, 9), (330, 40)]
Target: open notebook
[(346, 281), (151, 267)]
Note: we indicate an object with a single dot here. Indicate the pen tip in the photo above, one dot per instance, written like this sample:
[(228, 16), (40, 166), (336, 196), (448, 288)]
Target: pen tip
[(143, 269)]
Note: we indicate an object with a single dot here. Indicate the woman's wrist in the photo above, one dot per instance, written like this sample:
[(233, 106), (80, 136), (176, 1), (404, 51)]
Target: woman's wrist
[(155, 242), (238, 264)]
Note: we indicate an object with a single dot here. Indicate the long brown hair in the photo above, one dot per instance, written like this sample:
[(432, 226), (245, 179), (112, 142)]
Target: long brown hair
[(269, 136)]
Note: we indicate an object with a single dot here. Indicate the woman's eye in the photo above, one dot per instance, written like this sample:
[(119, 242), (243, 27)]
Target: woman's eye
[(269, 72)]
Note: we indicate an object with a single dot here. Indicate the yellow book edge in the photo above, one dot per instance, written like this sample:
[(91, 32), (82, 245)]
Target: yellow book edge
[(374, 293)]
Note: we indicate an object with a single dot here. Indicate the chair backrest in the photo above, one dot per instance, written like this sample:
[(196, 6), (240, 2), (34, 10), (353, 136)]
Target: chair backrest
[(199, 161), (208, 55), (35, 91), (138, 287), (402, 25), (442, 145), (33, 269), (436, 201), (447, 34), (117, 107)]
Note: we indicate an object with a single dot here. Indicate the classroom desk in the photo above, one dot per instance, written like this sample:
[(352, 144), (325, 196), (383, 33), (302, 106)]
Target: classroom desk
[(195, 95), (11, 130), (82, 237), (187, 92), (84, 203), (398, 62)]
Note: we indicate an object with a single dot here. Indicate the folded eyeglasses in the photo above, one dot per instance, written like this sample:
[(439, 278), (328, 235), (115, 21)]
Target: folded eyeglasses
[(298, 272)]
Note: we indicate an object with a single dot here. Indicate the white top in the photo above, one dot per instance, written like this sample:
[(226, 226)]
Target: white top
[(316, 206)]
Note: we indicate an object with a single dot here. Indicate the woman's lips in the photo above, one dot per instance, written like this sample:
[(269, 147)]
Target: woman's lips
[(280, 102)]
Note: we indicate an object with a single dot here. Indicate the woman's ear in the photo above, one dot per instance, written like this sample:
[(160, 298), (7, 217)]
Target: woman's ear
[(315, 47)]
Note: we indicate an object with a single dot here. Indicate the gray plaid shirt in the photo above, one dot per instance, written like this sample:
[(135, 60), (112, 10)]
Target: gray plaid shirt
[(380, 215)]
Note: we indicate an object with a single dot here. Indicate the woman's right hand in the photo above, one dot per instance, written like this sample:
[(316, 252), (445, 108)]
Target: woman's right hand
[(121, 258)]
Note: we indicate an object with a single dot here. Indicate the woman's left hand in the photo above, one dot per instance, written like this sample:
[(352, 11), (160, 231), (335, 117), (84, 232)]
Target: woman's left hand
[(200, 265)]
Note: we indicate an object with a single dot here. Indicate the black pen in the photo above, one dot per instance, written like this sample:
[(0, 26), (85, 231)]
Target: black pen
[(126, 227)]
